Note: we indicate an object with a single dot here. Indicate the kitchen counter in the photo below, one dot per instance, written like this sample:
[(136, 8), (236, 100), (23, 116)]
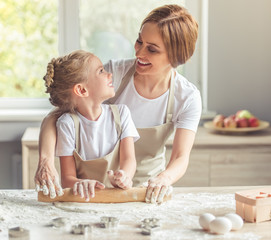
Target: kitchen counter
[(178, 217), (216, 159)]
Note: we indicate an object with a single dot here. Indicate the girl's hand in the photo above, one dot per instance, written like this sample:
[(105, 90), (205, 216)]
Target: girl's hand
[(120, 179), (158, 187), (86, 188), (47, 180)]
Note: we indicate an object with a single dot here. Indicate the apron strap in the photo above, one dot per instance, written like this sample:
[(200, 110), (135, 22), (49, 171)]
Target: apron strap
[(170, 103), (123, 84), (116, 114), (126, 79), (77, 130)]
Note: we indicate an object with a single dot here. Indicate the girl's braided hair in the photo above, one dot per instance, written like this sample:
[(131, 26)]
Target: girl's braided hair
[(63, 74)]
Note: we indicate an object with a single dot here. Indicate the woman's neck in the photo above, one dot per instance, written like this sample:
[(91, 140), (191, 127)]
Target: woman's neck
[(152, 86)]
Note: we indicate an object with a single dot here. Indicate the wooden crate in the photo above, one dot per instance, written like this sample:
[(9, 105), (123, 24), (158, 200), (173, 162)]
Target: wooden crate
[(254, 205)]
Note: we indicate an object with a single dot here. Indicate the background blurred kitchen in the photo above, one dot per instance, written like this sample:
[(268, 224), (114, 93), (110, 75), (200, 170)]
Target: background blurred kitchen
[(231, 65)]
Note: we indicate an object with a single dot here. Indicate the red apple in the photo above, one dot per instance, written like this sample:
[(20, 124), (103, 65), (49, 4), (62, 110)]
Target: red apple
[(242, 122), (232, 116), (218, 120), (253, 122), (229, 122)]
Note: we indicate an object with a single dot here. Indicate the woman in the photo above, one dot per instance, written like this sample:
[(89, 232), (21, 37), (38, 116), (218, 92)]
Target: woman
[(159, 99)]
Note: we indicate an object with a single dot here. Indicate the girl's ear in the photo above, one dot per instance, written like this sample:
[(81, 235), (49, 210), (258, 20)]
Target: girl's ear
[(80, 90)]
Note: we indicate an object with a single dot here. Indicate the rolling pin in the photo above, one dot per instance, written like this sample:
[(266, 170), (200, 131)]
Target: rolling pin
[(107, 195)]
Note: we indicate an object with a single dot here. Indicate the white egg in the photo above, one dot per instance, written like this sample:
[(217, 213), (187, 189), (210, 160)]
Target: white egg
[(205, 219), (220, 225), (236, 220)]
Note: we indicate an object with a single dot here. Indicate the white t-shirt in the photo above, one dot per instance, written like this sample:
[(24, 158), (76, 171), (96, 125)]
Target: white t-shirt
[(151, 112), (97, 138)]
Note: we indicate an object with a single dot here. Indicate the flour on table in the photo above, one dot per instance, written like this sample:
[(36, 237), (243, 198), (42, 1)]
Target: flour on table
[(178, 217), (103, 207)]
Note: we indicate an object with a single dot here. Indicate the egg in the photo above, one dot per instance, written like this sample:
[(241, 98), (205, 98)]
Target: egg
[(220, 225), (236, 220), (205, 219)]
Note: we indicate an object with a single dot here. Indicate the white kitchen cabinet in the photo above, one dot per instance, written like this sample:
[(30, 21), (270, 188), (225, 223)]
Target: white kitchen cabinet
[(215, 160), (228, 160)]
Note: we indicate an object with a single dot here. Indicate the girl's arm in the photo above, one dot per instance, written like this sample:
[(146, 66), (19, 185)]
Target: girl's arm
[(46, 177), (176, 168), (127, 156), (68, 171), (123, 177), (83, 187)]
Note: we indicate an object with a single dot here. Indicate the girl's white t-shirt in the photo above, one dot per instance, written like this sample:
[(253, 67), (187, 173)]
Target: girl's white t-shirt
[(152, 112), (97, 138)]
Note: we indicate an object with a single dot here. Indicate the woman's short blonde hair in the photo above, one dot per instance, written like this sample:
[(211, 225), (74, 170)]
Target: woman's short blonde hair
[(179, 31), (63, 74)]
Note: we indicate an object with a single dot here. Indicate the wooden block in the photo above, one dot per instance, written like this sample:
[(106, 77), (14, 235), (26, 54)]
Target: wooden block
[(240, 209), (263, 213), (249, 213), (254, 205)]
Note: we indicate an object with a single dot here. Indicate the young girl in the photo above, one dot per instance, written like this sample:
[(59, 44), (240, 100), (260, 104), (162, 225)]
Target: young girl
[(95, 142)]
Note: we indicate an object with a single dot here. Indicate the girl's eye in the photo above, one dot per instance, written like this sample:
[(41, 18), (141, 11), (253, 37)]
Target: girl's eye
[(102, 70), (138, 41)]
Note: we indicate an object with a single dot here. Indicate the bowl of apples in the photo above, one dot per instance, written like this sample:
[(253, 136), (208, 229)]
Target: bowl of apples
[(242, 121)]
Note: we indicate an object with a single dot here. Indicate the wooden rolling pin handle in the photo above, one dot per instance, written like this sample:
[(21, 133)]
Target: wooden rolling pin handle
[(108, 195)]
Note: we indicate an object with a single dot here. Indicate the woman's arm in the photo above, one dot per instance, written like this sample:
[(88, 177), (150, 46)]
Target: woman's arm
[(176, 168), (182, 145), (123, 177), (46, 177)]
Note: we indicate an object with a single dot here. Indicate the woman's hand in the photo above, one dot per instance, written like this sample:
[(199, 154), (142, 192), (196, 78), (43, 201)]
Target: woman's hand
[(120, 179), (158, 188), (86, 188), (47, 180)]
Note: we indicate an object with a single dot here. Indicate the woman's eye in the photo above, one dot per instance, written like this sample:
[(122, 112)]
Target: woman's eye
[(151, 50), (102, 70)]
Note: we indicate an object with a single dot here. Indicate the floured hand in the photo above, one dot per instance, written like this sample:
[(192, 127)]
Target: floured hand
[(158, 188), (86, 188), (120, 179), (47, 180)]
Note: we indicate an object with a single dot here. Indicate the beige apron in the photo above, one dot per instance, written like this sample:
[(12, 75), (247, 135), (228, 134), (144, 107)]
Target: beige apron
[(97, 168), (150, 148)]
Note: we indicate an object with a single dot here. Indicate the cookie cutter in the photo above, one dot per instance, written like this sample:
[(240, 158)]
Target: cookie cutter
[(60, 222), (81, 229), (109, 222), (148, 224), (18, 232), (146, 230), (151, 222)]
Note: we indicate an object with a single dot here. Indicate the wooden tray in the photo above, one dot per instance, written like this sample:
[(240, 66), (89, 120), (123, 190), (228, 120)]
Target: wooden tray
[(210, 125)]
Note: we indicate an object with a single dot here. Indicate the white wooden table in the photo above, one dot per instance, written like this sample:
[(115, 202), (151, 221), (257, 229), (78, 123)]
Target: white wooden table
[(179, 217)]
